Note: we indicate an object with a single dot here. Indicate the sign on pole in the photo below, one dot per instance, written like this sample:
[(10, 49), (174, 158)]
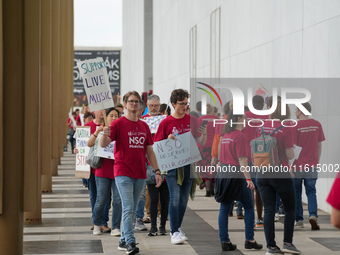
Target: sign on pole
[(83, 170), (96, 83), (172, 154)]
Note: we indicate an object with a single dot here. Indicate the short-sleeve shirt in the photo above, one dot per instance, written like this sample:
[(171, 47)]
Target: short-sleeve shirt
[(333, 197), (131, 138), (233, 146), (93, 127), (210, 129), (78, 121), (107, 169), (70, 121), (308, 133), (284, 138), (250, 131), (186, 124)]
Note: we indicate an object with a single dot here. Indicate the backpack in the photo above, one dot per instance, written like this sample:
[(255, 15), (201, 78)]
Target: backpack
[(264, 151)]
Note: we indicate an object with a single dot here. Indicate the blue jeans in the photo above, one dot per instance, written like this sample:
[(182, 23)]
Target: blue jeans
[(92, 187), (129, 191), (278, 203), (239, 206), (85, 181), (248, 204), (268, 188), (141, 204), (104, 186), (179, 196), (309, 180)]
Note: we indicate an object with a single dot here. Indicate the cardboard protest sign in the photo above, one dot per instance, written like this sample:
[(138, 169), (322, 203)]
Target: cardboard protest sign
[(153, 122), (83, 170), (96, 83), (106, 152), (172, 154)]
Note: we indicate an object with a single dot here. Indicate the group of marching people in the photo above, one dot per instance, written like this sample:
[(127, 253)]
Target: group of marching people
[(122, 180)]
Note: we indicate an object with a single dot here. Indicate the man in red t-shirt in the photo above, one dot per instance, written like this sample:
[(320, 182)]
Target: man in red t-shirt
[(77, 119), (334, 200), (308, 135), (133, 142), (176, 124)]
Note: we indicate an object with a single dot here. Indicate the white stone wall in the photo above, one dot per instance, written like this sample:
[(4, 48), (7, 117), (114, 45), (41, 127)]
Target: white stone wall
[(132, 56), (263, 38)]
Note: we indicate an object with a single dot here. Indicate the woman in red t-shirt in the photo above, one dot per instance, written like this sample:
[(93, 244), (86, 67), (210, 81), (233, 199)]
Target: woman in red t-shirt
[(334, 200), (280, 182), (231, 183), (105, 181)]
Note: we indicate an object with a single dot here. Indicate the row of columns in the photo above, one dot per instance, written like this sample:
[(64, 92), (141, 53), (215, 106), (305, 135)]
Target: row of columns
[(36, 91)]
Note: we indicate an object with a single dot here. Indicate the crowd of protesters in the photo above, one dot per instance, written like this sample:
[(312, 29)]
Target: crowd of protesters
[(122, 181)]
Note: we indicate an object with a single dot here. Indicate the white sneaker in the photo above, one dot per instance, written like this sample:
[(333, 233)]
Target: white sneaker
[(176, 238), (276, 218), (96, 230), (299, 224), (182, 235), (115, 232)]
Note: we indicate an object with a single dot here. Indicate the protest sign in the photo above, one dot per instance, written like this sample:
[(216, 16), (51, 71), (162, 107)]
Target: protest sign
[(96, 84), (83, 170), (172, 154), (153, 122), (106, 152)]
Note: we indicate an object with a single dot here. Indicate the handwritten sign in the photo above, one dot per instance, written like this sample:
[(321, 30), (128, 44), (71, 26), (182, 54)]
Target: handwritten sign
[(96, 83), (153, 122), (83, 134), (106, 152), (172, 154)]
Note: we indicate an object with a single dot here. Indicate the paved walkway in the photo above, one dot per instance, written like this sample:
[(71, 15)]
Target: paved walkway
[(67, 221)]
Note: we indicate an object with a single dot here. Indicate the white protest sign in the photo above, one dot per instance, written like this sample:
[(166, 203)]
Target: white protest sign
[(71, 117), (154, 122), (172, 154), (83, 134), (297, 150), (106, 152), (96, 83)]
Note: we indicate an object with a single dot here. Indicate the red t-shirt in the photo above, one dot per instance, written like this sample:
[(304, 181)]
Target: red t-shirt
[(233, 146), (250, 132), (284, 138), (183, 125), (333, 197), (308, 133), (146, 115), (78, 121), (93, 127), (130, 148), (210, 129), (107, 169)]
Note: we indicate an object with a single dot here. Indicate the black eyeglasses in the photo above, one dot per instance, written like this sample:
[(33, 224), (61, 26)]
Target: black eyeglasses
[(133, 102), (182, 104)]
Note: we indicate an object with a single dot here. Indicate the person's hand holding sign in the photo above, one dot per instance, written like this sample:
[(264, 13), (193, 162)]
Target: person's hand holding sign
[(171, 136), (106, 131)]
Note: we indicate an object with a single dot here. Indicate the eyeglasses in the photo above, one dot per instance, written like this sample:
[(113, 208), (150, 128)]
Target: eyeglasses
[(153, 105), (133, 102), (182, 104)]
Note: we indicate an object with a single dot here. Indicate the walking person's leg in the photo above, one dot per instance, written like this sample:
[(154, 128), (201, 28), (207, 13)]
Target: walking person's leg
[(116, 209)]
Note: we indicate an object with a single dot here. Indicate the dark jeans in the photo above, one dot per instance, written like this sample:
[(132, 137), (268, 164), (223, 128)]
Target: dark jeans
[(268, 188), (163, 193), (223, 219)]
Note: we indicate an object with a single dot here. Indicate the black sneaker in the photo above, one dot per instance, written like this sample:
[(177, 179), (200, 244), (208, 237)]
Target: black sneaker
[(275, 251), (228, 246), (122, 246), (132, 249), (162, 231), (208, 193), (153, 231), (252, 245)]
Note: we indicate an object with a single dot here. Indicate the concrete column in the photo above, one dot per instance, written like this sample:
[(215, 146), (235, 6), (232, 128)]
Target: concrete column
[(1, 112), (46, 95), (55, 85), (11, 219)]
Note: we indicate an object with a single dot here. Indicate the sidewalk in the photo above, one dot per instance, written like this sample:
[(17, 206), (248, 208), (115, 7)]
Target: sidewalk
[(67, 222)]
